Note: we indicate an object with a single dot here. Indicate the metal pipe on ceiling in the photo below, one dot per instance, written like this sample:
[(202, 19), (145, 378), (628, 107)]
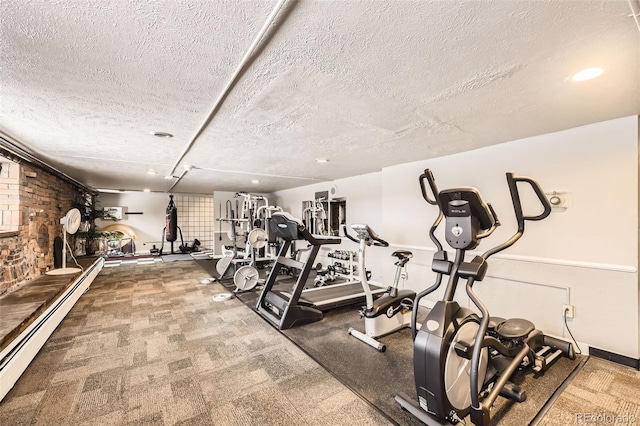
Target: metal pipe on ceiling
[(11, 147), (634, 14), (179, 178), (228, 86)]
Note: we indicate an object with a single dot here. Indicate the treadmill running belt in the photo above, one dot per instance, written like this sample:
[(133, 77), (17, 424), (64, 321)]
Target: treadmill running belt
[(334, 296)]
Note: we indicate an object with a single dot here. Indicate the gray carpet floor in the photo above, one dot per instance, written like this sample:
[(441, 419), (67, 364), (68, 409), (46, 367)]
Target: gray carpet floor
[(601, 393), (147, 345)]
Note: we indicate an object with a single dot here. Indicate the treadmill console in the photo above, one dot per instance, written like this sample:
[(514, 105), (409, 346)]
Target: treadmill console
[(285, 226)]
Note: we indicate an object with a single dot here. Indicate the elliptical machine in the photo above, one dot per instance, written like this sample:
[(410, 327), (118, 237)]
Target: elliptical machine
[(391, 311), (463, 361)]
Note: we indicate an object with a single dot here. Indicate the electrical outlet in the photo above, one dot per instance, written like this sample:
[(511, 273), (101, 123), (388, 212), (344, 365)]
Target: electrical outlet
[(568, 311)]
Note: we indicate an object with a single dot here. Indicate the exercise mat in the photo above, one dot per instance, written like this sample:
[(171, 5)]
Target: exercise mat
[(176, 257), (379, 376)]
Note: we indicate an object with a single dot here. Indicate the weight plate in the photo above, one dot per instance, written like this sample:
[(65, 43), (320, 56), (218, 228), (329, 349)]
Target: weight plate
[(223, 265), (257, 238), (222, 297), (245, 278)]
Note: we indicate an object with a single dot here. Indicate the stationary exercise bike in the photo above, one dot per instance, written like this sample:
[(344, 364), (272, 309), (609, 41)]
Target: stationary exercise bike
[(391, 311), (463, 361)]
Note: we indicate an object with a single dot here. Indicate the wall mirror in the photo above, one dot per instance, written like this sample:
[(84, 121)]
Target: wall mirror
[(324, 215)]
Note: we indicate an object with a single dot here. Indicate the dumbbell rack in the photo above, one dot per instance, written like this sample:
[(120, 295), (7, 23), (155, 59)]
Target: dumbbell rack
[(351, 269)]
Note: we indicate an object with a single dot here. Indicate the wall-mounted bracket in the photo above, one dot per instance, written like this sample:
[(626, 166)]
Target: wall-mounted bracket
[(559, 200)]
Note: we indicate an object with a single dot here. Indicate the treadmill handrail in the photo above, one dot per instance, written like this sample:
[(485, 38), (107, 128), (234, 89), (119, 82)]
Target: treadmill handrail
[(302, 232)]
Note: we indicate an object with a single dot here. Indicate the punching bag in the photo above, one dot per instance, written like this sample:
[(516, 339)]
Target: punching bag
[(171, 228)]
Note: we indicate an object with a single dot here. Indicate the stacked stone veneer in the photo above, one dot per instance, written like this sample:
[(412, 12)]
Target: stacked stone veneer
[(32, 201)]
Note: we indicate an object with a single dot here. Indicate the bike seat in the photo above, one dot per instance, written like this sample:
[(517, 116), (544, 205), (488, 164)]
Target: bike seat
[(495, 322), (515, 328), (402, 254)]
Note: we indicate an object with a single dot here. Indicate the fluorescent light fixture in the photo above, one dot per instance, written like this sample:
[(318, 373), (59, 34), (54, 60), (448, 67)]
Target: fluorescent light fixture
[(587, 74), (108, 190), (163, 135), (121, 191), (321, 160), (255, 181)]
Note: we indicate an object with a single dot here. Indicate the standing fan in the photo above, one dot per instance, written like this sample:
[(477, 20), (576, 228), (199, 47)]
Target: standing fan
[(70, 224)]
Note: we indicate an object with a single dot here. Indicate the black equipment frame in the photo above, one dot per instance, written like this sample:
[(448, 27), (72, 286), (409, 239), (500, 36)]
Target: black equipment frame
[(284, 310)]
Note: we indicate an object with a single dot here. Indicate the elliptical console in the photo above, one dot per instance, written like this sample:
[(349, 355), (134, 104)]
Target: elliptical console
[(463, 361)]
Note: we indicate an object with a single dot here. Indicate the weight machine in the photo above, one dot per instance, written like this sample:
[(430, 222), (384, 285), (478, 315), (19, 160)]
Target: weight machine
[(248, 225), (314, 216)]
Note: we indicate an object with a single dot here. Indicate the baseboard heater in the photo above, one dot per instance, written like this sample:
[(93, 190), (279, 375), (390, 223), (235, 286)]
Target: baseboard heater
[(614, 357), (17, 356)]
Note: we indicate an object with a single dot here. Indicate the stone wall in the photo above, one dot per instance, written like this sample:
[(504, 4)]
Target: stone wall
[(26, 250), (9, 195)]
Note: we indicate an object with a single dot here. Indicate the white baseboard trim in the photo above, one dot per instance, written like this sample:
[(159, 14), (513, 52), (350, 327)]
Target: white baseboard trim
[(17, 356)]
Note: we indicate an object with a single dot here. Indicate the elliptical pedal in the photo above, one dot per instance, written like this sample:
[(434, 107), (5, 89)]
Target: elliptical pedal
[(542, 361), (513, 392)]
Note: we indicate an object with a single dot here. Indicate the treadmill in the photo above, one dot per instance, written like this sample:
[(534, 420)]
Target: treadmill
[(285, 310)]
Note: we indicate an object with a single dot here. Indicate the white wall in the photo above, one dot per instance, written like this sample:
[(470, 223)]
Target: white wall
[(149, 225), (586, 256), (363, 196)]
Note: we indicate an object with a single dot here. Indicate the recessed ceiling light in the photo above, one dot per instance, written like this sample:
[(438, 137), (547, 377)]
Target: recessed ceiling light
[(151, 172), (321, 160), (162, 134), (169, 177), (146, 190), (587, 74), (255, 181)]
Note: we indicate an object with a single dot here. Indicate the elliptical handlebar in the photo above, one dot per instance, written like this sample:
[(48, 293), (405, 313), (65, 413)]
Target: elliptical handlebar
[(496, 223), (428, 176), (493, 213), (513, 180)]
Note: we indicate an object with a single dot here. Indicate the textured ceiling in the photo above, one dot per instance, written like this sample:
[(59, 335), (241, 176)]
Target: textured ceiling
[(366, 84)]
